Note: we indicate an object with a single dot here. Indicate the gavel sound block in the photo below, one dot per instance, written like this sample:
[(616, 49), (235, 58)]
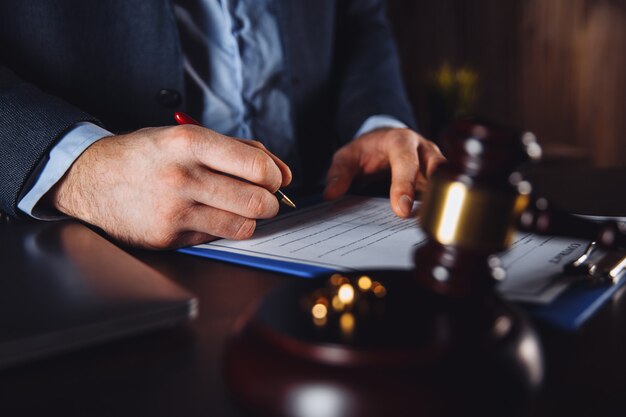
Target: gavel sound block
[(381, 345), (433, 341)]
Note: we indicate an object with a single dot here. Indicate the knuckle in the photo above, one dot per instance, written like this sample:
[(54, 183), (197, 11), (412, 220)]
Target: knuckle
[(261, 204), (174, 177), (405, 138), (264, 171), (256, 144), (255, 205), (177, 140), (183, 136), (259, 166), (399, 188), (244, 229)]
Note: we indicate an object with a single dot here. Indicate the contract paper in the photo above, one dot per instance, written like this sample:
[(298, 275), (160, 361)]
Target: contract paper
[(362, 233)]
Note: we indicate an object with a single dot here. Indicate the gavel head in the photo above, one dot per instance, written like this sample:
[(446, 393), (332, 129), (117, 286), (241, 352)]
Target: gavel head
[(470, 207)]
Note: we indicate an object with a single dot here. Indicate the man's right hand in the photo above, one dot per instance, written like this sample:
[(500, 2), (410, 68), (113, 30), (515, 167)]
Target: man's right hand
[(172, 186)]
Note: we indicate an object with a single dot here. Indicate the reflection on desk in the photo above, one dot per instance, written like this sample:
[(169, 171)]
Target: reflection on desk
[(65, 287), (179, 371)]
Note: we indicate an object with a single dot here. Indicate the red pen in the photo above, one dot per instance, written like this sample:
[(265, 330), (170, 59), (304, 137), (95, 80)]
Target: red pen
[(185, 119)]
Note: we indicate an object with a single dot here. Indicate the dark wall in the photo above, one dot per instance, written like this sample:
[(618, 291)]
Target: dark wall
[(556, 67)]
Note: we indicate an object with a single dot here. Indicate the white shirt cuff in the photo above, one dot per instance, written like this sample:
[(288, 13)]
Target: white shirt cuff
[(60, 159), (377, 122)]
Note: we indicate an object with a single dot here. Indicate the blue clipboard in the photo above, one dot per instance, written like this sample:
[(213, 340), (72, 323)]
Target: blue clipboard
[(568, 311), (576, 305), (283, 267)]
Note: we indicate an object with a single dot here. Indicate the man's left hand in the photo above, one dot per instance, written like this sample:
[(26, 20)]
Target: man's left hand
[(410, 157)]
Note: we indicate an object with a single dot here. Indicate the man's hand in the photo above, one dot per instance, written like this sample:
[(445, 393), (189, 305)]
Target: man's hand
[(172, 186), (411, 158)]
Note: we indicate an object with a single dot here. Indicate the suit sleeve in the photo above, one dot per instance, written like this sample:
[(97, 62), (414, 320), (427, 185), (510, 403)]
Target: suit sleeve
[(31, 122), (369, 78)]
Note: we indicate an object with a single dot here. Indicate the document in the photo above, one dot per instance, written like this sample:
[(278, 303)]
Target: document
[(362, 233)]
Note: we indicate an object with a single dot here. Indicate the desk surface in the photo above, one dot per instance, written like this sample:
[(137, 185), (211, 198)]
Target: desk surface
[(178, 371)]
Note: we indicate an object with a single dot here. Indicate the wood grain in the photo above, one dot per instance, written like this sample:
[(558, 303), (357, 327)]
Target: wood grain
[(555, 67)]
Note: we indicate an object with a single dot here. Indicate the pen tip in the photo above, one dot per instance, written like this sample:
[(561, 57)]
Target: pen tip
[(289, 203), (286, 200)]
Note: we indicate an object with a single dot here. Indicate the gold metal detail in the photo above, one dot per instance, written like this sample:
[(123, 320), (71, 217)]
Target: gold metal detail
[(456, 214)]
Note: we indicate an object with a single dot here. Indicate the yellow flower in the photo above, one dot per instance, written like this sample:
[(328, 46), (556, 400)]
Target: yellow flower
[(445, 78)]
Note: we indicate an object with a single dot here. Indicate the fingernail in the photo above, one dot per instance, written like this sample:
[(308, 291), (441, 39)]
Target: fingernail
[(406, 204)]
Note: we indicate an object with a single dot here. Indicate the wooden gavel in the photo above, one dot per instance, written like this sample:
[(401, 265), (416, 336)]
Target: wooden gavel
[(476, 201), (381, 342)]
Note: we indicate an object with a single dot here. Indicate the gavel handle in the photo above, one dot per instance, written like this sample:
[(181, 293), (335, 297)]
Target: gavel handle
[(542, 218)]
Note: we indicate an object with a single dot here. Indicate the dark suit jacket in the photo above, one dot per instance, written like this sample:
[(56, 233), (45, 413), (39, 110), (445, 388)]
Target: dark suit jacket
[(118, 63)]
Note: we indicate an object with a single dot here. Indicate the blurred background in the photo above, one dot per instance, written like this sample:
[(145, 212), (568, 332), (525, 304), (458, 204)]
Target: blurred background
[(555, 67)]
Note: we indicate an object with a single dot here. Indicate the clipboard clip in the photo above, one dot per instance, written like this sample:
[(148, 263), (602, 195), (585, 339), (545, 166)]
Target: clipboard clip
[(598, 265)]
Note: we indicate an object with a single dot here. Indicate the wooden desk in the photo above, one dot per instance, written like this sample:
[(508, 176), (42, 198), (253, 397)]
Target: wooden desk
[(177, 372)]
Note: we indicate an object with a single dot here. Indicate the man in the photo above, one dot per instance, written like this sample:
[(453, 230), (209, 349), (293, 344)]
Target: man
[(305, 77)]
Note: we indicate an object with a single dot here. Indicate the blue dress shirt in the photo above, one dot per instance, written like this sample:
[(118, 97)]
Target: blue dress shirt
[(233, 61)]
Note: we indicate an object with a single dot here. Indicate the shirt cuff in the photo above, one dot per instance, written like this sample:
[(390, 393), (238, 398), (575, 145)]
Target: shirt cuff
[(60, 159), (377, 122)]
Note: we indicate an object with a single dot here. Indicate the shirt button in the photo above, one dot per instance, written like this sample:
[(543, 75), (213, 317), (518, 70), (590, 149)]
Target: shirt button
[(169, 98)]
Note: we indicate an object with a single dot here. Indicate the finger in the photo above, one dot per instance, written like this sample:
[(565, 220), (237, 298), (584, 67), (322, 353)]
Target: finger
[(232, 195), (340, 174), (232, 157), (284, 168), (210, 221), (192, 239), (404, 163), (421, 183), (430, 156)]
